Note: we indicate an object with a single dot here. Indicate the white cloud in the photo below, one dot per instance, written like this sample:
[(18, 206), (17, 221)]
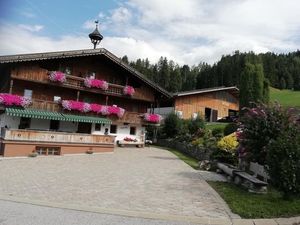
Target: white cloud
[(187, 31), (89, 25), (121, 15), (32, 28)]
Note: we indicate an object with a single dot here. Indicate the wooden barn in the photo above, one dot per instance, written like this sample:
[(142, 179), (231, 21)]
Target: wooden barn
[(211, 103)]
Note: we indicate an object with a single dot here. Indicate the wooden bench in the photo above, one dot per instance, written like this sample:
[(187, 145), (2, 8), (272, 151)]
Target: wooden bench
[(259, 171), (252, 183), (138, 144), (243, 178)]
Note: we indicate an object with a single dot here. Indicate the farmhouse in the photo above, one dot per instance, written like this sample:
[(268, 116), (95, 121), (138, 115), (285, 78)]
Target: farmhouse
[(211, 103), (72, 102)]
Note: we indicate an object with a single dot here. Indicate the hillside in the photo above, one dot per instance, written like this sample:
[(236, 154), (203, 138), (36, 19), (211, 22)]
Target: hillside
[(285, 97)]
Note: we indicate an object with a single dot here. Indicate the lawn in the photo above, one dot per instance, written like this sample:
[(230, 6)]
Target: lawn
[(286, 98), (184, 157), (249, 205), (213, 125)]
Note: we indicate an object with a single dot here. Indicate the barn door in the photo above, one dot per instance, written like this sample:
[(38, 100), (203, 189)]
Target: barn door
[(214, 115)]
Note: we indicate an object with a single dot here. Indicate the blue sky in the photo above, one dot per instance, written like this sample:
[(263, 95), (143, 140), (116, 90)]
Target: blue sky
[(187, 31)]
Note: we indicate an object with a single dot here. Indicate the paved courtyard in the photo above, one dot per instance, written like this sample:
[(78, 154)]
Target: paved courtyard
[(131, 181)]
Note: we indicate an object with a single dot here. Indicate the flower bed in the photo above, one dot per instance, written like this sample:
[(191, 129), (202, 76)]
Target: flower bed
[(94, 83), (57, 76), (14, 100), (152, 118), (96, 108), (128, 90)]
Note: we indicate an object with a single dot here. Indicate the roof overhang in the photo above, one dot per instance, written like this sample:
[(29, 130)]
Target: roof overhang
[(233, 90), (7, 59)]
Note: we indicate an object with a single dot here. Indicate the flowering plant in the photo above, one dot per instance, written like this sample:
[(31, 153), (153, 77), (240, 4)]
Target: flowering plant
[(86, 107), (10, 100), (129, 139), (57, 76), (94, 83), (128, 90), (152, 118)]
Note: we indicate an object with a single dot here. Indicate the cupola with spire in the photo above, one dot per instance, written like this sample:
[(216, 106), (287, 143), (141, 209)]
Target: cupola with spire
[(95, 36)]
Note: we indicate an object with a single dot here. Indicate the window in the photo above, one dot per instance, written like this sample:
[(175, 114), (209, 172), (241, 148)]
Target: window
[(28, 93), (42, 150), (97, 127), (24, 123), (132, 130), (54, 124), (113, 129), (56, 99)]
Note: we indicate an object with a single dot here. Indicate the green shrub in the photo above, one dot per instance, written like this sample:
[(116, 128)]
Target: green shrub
[(194, 125), (262, 125), (228, 143), (283, 161), (217, 132), (172, 125), (198, 142), (230, 128), (224, 157)]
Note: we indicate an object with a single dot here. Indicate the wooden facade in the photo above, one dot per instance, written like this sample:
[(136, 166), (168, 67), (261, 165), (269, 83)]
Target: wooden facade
[(30, 72), (213, 104)]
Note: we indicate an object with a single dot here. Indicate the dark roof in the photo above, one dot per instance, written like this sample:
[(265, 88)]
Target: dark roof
[(80, 53), (234, 90)]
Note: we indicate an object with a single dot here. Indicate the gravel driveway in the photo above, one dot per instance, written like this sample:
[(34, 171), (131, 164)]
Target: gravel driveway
[(147, 181)]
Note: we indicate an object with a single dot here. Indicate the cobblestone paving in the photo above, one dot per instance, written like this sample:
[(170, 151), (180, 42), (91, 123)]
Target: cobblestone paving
[(146, 180)]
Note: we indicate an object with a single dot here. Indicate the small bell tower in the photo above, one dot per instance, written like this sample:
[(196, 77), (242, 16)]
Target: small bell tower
[(95, 36)]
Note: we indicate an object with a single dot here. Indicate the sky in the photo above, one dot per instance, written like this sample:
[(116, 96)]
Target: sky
[(186, 31)]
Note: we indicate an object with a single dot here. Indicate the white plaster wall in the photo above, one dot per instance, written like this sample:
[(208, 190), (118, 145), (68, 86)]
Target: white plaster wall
[(67, 126), (39, 124), (122, 131), (11, 122)]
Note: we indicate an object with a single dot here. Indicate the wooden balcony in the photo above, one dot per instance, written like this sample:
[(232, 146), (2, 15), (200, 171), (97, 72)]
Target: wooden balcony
[(129, 117), (54, 137), (37, 74)]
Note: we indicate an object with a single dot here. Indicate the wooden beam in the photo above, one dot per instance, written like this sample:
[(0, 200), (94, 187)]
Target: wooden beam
[(11, 86)]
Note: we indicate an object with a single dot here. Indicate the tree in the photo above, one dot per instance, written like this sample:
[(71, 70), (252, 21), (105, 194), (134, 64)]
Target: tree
[(125, 59), (164, 72), (246, 85), (258, 83), (175, 80)]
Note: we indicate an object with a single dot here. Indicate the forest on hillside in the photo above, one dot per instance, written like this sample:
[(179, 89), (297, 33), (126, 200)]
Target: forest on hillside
[(281, 71)]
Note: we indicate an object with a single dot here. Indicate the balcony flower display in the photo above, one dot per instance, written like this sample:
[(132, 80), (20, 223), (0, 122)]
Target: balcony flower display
[(94, 83), (57, 76), (114, 110), (87, 107), (128, 90), (152, 118), (14, 100)]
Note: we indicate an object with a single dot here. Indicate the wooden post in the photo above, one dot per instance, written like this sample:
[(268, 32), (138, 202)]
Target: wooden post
[(78, 95), (11, 86), (126, 81), (106, 100)]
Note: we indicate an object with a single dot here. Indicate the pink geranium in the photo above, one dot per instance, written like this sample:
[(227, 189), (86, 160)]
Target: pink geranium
[(57, 76), (14, 100), (86, 107), (128, 90), (94, 83), (96, 108), (152, 118)]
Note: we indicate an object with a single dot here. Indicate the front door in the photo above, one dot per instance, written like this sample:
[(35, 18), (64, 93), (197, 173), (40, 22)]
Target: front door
[(85, 128)]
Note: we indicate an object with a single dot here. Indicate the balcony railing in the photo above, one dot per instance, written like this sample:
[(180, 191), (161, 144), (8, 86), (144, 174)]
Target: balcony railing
[(54, 137), (38, 74), (128, 117)]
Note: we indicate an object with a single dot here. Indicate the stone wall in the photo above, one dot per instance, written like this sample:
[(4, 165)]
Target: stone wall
[(199, 153)]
